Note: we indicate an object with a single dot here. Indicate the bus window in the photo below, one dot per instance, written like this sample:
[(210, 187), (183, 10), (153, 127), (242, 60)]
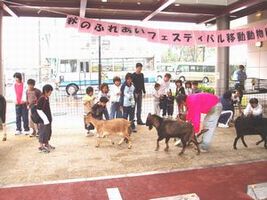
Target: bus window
[(62, 68), (68, 66), (149, 64), (192, 68), (81, 67), (199, 68), (129, 64), (183, 68), (84, 67), (208, 68), (72, 66), (118, 65), (161, 68), (87, 67), (107, 65)]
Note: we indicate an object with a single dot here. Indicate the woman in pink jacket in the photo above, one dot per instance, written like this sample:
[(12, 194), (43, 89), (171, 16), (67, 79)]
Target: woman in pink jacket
[(202, 103)]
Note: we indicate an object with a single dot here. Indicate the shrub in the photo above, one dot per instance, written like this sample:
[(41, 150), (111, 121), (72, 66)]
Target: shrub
[(207, 89)]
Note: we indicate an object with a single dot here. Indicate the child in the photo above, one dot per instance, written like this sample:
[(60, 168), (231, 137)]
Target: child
[(179, 88), (45, 127), (32, 96), (115, 90), (170, 103), (127, 100), (164, 88), (156, 96), (20, 103), (104, 92), (88, 102), (227, 110), (98, 110), (195, 88), (253, 109), (188, 88)]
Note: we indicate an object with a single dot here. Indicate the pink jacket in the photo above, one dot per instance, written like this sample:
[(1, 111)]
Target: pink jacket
[(199, 103)]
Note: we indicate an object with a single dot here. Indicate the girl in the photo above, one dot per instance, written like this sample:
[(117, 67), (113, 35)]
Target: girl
[(115, 111), (179, 88)]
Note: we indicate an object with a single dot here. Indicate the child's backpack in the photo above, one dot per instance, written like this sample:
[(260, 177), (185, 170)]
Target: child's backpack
[(34, 115)]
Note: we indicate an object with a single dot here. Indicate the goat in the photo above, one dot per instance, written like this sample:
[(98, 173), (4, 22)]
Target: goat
[(248, 126), (118, 126), (167, 129), (3, 116)]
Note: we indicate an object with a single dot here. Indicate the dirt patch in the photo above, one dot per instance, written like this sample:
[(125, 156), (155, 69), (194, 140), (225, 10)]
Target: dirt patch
[(76, 156)]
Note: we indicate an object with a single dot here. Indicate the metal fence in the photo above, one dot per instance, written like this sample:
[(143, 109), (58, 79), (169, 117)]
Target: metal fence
[(61, 104)]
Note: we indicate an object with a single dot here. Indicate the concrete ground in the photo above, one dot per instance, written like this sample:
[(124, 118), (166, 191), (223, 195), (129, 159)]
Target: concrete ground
[(75, 155)]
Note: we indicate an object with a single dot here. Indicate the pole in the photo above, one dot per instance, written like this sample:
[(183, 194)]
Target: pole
[(99, 61), (1, 43), (39, 51)]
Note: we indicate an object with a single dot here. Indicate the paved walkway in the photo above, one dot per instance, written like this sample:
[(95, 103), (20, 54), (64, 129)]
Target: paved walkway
[(212, 183)]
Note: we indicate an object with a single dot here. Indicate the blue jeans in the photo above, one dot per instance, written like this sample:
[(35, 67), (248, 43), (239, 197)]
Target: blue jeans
[(115, 111), (128, 112), (210, 123), (22, 112), (138, 104)]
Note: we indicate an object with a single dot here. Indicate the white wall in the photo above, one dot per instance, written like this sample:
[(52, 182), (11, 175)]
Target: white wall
[(257, 56)]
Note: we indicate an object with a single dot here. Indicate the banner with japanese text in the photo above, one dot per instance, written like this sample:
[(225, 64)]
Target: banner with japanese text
[(221, 38)]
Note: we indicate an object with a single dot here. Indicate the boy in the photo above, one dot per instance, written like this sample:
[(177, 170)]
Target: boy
[(104, 92), (127, 100), (32, 96), (164, 88), (98, 110), (170, 103), (227, 110), (139, 85), (253, 109), (88, 102), (156, 96), (20, 105), (115, 90), (45, 127)]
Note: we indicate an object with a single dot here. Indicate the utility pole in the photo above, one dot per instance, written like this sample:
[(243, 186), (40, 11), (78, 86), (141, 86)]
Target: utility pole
[(39, 51), (2, 81), (99, 61)]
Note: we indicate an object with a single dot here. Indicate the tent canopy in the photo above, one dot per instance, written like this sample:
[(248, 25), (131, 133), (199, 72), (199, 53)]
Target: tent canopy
[(194, 11)]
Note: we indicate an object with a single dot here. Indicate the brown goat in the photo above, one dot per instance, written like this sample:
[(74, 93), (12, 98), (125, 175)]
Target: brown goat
[(119, 126)]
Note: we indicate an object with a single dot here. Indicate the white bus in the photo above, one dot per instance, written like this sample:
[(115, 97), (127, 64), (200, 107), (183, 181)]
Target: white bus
[(188, 71), (75, 74)]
